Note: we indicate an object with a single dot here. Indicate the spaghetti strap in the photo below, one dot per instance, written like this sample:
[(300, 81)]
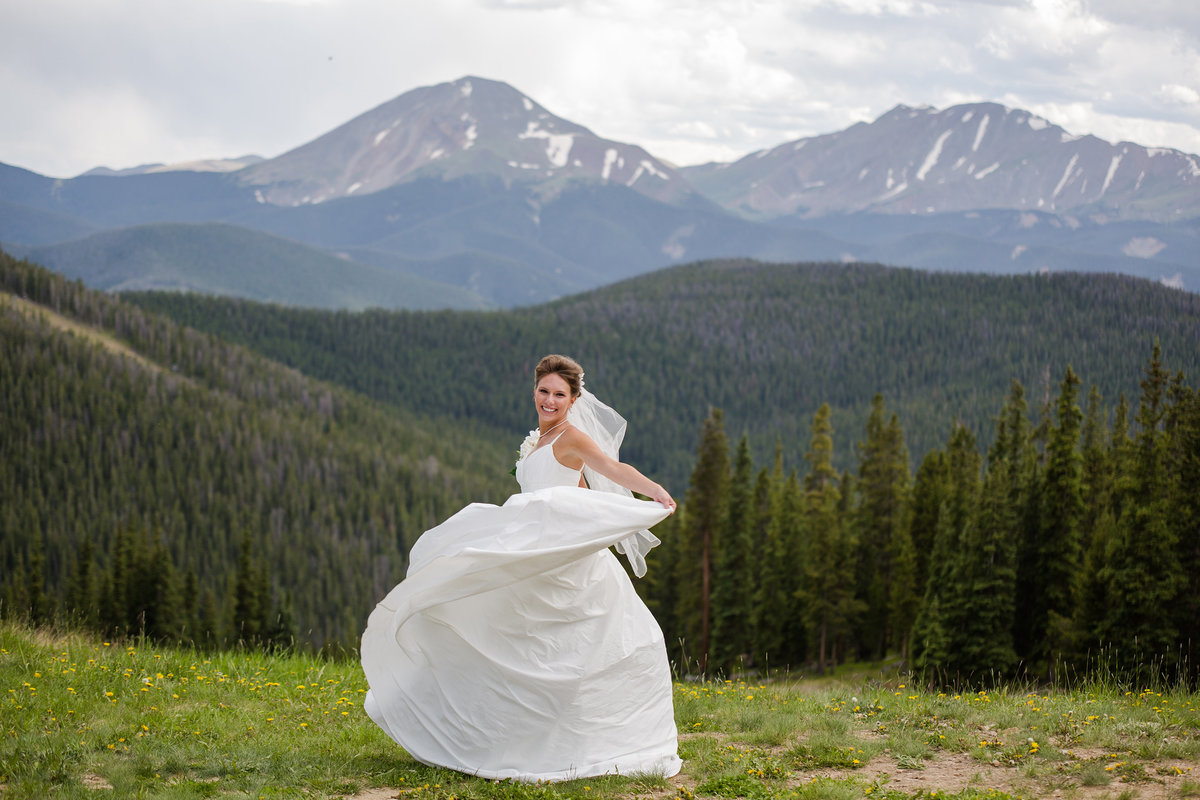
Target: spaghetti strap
[(550, 446)]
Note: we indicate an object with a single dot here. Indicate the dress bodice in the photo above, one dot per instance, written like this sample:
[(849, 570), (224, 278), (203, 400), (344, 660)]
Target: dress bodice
[(541, 470)]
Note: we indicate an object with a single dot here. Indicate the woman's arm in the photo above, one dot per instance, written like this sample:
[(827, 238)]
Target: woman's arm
[(578, 446)]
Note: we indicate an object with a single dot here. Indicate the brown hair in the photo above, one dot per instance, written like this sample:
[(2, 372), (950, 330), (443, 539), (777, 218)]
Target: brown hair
[(563, 366)]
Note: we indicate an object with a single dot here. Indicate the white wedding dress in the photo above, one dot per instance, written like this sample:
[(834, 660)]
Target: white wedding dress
[(516, 647)]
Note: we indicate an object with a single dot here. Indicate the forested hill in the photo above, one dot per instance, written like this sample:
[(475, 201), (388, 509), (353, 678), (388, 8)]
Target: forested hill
[(157, 479), (767, 343)]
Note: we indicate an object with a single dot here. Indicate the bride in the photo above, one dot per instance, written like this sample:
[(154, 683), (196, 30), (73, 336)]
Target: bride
[(516, 647)]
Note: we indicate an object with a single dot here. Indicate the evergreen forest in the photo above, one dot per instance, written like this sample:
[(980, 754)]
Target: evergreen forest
[(919, 472), (156, 480), (767, 343)]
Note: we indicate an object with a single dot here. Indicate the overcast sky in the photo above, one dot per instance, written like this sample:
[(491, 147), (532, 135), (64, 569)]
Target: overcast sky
[(118, 83)]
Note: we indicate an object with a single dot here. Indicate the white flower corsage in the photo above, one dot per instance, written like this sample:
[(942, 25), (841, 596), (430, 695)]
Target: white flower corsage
[(527, 446)]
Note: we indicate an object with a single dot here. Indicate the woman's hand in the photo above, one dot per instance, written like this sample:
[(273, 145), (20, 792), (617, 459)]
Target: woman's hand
[(663, 497)]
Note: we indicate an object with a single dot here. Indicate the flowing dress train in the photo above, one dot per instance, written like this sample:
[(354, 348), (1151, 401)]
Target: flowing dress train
[(516, 647)]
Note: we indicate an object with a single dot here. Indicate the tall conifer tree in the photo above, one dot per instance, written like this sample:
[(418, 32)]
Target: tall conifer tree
[(827, 586), (882, 526), (1144, 570), (706, 505), (733, 590), (1058, 592)]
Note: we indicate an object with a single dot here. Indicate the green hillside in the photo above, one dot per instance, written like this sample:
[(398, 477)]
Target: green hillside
[(157, 479), (228, 260), (767, 343)]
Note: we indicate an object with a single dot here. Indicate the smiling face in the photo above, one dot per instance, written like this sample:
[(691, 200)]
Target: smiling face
[(552, 397)]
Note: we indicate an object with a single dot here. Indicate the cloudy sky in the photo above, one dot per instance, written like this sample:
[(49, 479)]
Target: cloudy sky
[(125, 82)]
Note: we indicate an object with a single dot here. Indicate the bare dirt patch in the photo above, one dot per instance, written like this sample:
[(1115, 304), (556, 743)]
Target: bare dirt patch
[(56, 320), (95, 782)]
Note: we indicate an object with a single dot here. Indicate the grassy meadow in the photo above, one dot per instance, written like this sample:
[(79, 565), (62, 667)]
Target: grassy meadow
[(85, 718)]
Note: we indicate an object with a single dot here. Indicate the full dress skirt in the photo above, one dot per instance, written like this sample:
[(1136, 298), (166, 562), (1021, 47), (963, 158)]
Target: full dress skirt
[(516, 647)]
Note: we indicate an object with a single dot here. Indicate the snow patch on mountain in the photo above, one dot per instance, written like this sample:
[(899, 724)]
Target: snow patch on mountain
[(1066, 176), (1112, 170), (983, 123), (892, 193), (558, 145), (932, 158), (611, 157), (983, 173), (643, 168)]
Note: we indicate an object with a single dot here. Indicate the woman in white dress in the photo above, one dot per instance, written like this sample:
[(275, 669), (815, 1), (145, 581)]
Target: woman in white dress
[(516, 647)]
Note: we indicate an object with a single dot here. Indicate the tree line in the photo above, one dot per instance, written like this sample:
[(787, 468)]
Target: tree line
[(1072, 543)]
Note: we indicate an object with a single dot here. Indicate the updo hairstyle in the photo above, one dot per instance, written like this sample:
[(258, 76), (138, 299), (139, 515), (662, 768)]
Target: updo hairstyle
[(563, 366)]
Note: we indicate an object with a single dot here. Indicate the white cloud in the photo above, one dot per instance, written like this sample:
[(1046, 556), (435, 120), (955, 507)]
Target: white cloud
[(122, 82), (1174, 93)]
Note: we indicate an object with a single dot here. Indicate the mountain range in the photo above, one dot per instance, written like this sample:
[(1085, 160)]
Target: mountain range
[(469, 194)]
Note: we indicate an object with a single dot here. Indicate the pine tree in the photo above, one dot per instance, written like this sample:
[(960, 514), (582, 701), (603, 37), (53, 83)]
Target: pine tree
[(163, 614), (1095, 528), (733, 590), (248, 611), (1183, 428), (1144, 570), (283, 633), (706, 501), (827, 586), (35, 591), (210, 630), (117, 615), (81, 591), (882, 527), (988, 574), (1059, 548), (928, 494), (944, 645), (778, 645), (1014, 503)]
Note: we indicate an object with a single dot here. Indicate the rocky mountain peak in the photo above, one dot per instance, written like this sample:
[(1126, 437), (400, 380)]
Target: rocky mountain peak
[(966, 157), (468, 126)]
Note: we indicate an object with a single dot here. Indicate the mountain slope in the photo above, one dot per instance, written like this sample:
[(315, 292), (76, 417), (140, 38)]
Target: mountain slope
[(224, 259), (511, 244), (120, 422), (967, 157), (472, 126)]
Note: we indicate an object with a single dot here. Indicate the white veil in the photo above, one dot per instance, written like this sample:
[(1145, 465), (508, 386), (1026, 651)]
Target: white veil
[(607, 429)]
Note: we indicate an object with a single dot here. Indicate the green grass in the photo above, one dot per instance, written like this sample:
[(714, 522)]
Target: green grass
[(81, 717)]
